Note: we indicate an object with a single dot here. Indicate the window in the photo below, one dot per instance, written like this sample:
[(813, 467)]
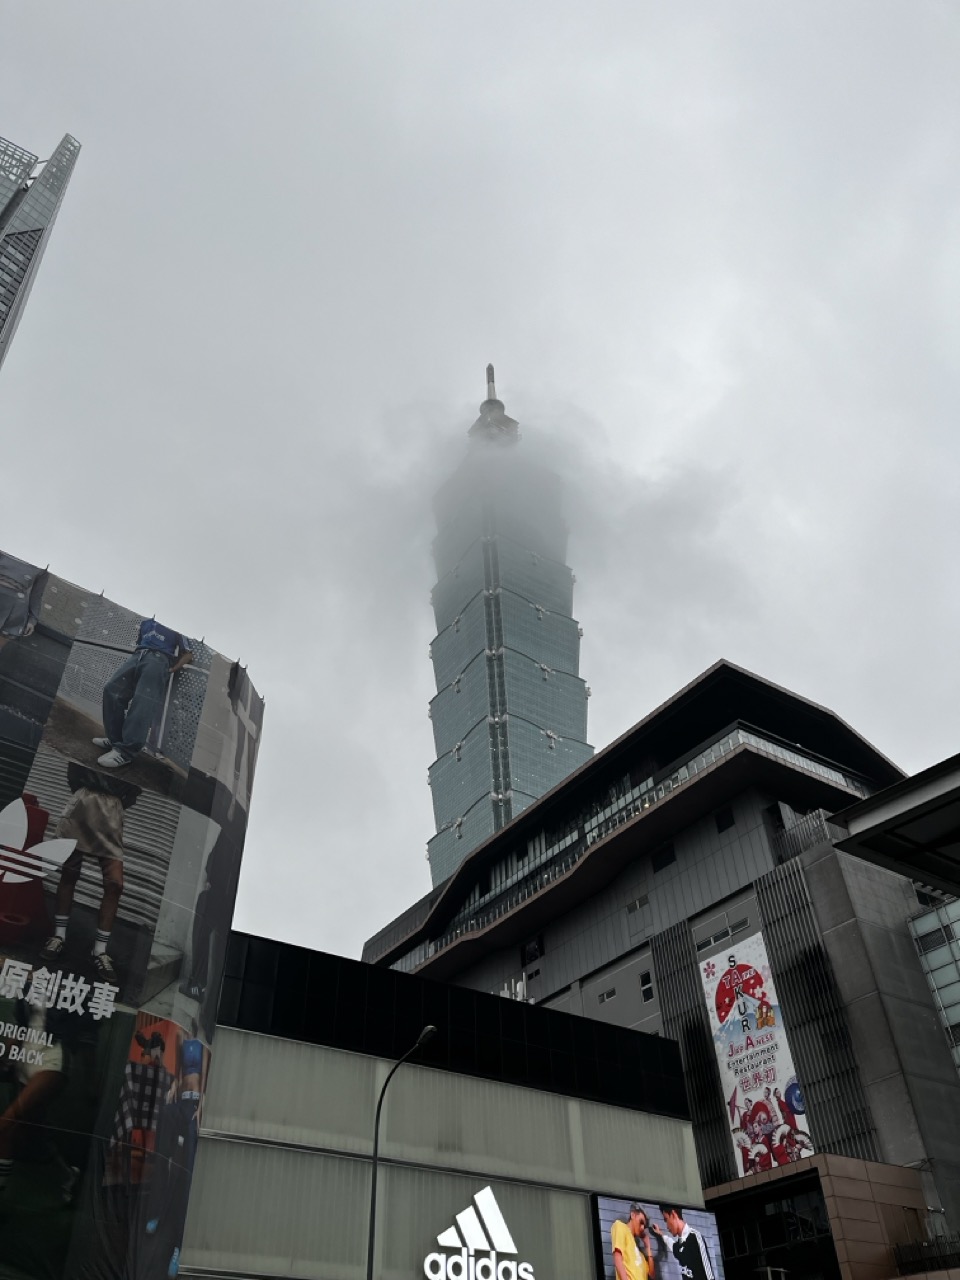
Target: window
[(646, 987), (935, 938), (724, 818), (534, 973), (729, 930), (774, 817), (532, 951), (719, 936), (604, 996), (663, 857), (637, 904)]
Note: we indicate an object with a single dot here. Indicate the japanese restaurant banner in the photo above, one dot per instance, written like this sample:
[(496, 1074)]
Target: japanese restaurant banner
[(764, 1100)]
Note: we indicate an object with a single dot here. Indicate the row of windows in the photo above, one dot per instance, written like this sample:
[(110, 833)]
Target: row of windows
[(621, 802), (730, 931), (594, 827), (646, 990)]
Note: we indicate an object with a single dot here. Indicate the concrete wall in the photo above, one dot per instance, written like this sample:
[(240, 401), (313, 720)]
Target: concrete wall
[(871, 1208), (591, 940), (282, 1180), (909, 1080), (905, 1063)]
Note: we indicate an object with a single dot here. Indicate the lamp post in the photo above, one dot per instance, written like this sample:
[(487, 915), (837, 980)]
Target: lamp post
[(426, 1034)]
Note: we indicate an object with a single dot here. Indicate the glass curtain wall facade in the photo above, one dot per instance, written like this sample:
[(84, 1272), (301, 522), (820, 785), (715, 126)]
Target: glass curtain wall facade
[(937, 937), (30, 197), (510, 713)]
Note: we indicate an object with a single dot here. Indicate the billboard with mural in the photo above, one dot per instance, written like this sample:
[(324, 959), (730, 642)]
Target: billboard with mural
[(764, 1098), (127, 753), (638, 1239)]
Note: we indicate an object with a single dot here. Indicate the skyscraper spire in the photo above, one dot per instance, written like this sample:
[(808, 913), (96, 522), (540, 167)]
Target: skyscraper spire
[(510, 715), (494, 423)]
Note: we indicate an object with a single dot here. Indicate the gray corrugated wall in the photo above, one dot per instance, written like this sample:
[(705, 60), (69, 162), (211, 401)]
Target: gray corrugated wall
[(685, 1020), (814, 1017), (709, 867)]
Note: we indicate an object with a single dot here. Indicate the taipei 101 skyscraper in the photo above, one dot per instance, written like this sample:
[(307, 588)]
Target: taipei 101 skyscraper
[(510, 713)]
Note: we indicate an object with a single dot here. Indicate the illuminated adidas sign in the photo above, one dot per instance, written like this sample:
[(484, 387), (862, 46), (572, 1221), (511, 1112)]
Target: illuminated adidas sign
[(19, 864), (479, 1247)]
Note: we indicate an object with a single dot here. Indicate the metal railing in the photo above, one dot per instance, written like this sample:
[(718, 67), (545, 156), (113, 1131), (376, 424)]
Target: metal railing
[(600, 820), (808, 831), (928, 1255)]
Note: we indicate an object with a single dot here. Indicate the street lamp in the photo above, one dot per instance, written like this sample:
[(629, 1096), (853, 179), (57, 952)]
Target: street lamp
[(426, 1034)]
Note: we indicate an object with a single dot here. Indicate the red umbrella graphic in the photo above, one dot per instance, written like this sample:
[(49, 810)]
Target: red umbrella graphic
[(742, 978)]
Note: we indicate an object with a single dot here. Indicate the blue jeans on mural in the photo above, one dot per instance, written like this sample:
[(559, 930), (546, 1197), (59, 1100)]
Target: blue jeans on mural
[(133, 700)]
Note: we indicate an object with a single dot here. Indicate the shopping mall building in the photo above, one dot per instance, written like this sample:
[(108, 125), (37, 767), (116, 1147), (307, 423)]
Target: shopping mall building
[(508, 1143), (662, 984), (687, 882)]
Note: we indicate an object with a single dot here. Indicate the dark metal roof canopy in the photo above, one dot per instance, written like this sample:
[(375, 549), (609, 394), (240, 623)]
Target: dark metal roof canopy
[(912, 828)]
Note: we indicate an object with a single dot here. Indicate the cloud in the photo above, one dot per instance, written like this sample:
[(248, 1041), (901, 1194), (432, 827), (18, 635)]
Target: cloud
[(713, 254)]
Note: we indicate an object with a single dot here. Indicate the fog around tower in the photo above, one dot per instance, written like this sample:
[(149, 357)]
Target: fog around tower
[(713, 255)]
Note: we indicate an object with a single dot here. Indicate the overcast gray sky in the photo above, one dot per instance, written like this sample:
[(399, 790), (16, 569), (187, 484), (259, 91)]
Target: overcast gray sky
[(714, 252)]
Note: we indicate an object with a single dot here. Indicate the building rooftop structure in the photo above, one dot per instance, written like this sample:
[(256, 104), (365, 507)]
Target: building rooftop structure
[(911, 827), (725, 730), (686, 882)]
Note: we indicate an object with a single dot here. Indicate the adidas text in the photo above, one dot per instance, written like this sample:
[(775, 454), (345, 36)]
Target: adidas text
[(464, 1266), (478, 1246)]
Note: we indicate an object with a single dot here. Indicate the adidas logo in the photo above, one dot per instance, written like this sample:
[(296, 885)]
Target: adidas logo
[(19, 864), (480, 1229)]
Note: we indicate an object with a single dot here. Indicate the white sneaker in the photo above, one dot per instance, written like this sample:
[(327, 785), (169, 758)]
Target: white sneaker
[(100, 742), (104, 966), (52, 948), (113, 760)]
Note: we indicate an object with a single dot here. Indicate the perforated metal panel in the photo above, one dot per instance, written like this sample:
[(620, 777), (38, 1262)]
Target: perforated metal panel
[(106, 637), (64, 606)]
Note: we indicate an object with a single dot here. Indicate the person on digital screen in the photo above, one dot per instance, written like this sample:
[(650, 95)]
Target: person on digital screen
[(93, 817), (39, 1078), (178, 1132), (630, 1241), (133, 696), (686, 1243), (21, 588)]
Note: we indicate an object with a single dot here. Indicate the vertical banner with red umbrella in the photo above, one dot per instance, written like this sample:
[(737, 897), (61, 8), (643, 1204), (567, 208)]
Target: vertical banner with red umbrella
[(764, 1099)]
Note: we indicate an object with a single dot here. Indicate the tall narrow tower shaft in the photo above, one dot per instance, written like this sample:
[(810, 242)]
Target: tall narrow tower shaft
[(30, 195), (510, 713)]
